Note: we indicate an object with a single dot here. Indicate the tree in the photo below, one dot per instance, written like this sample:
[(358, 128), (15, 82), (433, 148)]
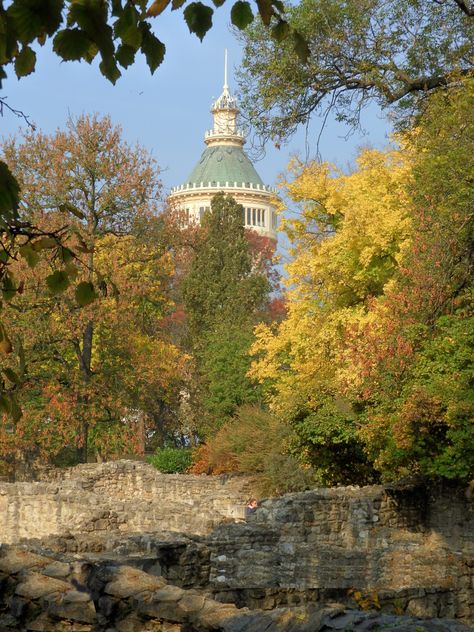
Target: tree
[(82, 29), (346, 241), (414, 360), (392, 52), (373, 365), (224, 293), (113, 29), (110, 192)]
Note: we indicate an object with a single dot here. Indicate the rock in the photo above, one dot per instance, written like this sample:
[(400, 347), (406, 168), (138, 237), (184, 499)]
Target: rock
[(59, 570), (13, 560), (128, 581), (35, 586)]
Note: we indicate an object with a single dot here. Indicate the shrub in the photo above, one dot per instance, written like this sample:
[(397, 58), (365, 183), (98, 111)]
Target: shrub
[(254, 442), (171, 460)]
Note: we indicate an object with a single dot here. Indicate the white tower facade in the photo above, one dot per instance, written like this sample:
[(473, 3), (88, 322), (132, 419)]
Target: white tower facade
[(224, 166)]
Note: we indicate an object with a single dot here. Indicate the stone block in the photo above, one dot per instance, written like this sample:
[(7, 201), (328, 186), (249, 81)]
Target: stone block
[(128, 581), (14, 560), (37, 586)]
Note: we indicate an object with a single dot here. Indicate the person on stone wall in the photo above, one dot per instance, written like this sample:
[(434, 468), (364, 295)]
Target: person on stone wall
[(251, 507)]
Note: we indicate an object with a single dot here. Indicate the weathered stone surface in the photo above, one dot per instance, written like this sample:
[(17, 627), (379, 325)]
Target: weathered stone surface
[(36, 586), (128, 581), (15, 560), (124, 496), (402, 548)]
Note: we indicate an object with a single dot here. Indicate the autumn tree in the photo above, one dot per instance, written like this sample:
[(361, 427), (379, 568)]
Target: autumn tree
[(115, 31), (373, 365), (346, 242), (110, 192), (224, 294), (391, 52), (414, 358)]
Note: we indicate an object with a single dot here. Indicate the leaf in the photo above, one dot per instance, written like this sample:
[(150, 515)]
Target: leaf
[(126, 27), (15, 410), (280, 31), (4, 256), (72, 44), (71, 270), (279, 5), (12, 376), (218, 3), (57, 282), (91, 16), (198, 18), (67, 207), (125, 55), (265, 8), (109, 69), (34, 19), (44, 243), (9, 191), (25, 62), (67, 254), (300, 46), (5, 344), (241, 14), (27, 19), (177, 4), (9, 288), (152, 48), (29, 255), (157, 7), (85, 293), (5, 406), (81, 244)]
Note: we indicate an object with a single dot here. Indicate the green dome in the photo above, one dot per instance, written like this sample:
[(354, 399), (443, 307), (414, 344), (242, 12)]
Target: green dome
[(224, 163)]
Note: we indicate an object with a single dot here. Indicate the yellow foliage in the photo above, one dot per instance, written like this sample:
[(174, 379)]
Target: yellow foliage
[(346, 237)]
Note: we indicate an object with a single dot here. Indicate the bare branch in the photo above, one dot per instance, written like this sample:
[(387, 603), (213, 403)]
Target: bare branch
[(4, 105), (465, 8)]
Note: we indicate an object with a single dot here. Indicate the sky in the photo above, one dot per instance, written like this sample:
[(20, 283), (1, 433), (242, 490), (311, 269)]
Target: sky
[(167, 112)]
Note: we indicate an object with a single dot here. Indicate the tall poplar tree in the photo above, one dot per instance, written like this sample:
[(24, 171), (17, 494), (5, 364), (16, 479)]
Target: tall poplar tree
[(224, 295)]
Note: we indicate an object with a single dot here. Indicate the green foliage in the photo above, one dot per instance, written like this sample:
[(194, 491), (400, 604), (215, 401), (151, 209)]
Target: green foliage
[(222, 286), (116, 31), (241, 14), (85, 293), (224, 363), (198, 18), (373, 366), (431, 428), (420, 417), (171, 460), (224, 292), (327, 437), (391, 52)]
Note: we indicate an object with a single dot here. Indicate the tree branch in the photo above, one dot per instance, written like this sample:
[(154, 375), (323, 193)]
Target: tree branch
[(19, 113), (462, 4)]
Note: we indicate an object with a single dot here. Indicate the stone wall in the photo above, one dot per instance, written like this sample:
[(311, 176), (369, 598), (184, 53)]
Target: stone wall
[(406, 548), (411, 547), (122, 495)]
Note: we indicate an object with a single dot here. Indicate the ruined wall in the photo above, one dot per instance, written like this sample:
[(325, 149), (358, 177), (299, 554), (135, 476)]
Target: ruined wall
[(121, 495), (409, 547)]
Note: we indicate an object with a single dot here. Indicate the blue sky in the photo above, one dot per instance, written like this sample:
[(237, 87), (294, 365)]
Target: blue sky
[(168, 112)]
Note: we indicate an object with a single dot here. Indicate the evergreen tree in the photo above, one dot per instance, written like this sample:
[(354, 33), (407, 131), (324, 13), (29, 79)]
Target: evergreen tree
[(224, 294)]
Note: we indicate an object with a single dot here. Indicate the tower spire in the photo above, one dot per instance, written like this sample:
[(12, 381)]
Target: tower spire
[(225, 111), (226, 87)]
